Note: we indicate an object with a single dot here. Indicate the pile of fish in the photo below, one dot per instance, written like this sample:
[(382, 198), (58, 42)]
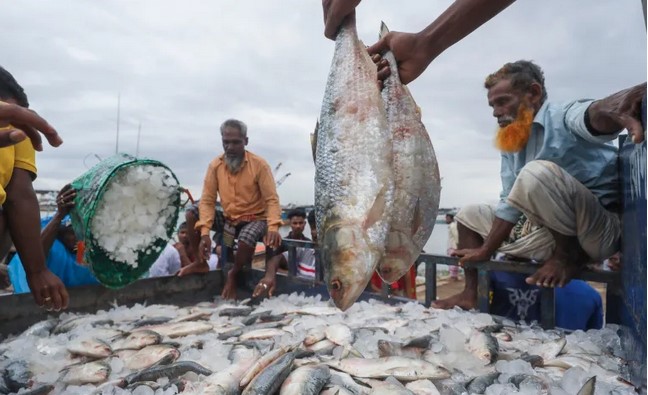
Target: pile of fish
[(293, 344), (377, 183)]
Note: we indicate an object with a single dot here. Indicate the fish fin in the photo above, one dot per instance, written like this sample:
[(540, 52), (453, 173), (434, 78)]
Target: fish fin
[(313, 139), (589, 387), (377, 210), (353, 351), (383, 30), (418, 221)]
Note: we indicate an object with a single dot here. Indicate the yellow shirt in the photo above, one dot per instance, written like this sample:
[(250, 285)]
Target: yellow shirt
[(250, 192), (19, 156)]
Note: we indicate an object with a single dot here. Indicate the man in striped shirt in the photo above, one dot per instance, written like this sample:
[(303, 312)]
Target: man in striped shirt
[(305, 256)]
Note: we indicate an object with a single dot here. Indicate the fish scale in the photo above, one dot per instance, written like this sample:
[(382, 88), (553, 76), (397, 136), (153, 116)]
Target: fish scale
[(354, 183)]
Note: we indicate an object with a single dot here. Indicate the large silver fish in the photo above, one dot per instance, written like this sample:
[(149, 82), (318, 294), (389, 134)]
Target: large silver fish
[(416, 176), (354, 184), (401, 368)]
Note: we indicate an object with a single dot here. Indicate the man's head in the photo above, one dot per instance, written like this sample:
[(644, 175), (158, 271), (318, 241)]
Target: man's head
[(10, 90), (234, 135), (297, 220), (66, 236), (182, 234), (312, 225), (515, 92), (449, 218)]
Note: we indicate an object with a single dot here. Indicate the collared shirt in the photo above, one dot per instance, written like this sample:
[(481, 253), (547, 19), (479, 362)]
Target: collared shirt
[(559, 135), (250, 192)]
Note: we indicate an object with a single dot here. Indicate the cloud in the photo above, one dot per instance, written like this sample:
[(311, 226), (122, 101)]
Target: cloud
[(181, 69)]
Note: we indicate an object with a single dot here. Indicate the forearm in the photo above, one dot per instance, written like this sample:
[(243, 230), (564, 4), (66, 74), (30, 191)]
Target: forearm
[(498, 233), (50, 231), (459, 20), (184, 259), (23, 215), (273, 265), (603, 119)]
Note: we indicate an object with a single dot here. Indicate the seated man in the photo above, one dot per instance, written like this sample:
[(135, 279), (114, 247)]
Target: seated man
[(578, 305), (59, 244), (192, 216), (20, 214), (248, 195), (305, 256), (559, 196), (173, 257)]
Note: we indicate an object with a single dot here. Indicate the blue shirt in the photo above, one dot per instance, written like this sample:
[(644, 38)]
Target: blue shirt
[(578, 305), (60, 261), (559, 135)]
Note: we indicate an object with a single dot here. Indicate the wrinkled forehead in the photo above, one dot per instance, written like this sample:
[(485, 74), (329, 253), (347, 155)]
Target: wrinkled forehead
[(231, 132)]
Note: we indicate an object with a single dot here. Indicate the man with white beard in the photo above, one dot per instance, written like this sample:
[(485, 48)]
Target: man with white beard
[(249, 199)]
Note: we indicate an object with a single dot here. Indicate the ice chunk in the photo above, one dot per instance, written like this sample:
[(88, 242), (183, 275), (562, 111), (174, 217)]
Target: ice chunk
[(136, 207)]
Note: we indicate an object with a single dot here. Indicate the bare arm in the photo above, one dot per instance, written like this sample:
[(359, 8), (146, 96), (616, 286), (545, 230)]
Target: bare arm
[(415, 51), (459, 20), (621, 110), (64, 203), (498, 233), (50, 231), (23, 216)]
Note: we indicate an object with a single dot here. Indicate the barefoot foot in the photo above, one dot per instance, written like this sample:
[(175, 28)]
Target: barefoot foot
[(555, 272), (466, 300)]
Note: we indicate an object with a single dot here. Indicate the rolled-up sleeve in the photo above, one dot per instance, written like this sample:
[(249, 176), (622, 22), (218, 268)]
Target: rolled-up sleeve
[(504, 210), (575, 122), (268, 189), (208, 201)]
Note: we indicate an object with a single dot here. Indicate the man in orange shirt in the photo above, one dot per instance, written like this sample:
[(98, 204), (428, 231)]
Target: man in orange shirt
[(249, 199)]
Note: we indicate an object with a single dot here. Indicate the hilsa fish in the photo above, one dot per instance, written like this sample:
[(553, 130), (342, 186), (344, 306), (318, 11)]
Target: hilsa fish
[(354, 185), (417, 187)]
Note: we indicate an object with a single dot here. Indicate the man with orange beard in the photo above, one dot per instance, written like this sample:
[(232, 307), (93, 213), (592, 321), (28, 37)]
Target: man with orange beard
[(559, 196)]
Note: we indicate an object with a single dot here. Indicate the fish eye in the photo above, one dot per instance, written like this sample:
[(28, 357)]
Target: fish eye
[(336, 285)]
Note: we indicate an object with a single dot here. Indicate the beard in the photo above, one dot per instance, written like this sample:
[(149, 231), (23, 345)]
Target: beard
[(514, 136), (233, 163)]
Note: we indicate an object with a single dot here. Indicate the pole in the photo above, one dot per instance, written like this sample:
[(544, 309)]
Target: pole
[(643, 8), (117, 136)]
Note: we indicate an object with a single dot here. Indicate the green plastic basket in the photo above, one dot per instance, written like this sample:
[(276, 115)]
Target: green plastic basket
[(90, 189)]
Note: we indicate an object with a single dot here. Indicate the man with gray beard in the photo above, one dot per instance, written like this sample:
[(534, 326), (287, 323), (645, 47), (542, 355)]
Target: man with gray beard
[(250, 204)]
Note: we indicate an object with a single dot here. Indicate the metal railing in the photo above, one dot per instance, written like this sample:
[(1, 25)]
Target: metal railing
[(547, 295)]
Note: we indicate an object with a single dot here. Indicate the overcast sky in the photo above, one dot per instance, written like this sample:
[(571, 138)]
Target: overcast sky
[(182, 68)]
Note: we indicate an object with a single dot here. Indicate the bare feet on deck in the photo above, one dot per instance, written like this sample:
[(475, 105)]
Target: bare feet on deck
[(195, 267), (554, 272), (466, 300)]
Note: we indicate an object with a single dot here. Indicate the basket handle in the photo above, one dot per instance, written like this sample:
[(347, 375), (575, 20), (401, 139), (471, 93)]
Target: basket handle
[(189, 197)]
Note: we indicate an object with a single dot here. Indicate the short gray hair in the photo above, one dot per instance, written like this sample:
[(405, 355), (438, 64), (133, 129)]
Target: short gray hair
[(522, 74), (234, 123)]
